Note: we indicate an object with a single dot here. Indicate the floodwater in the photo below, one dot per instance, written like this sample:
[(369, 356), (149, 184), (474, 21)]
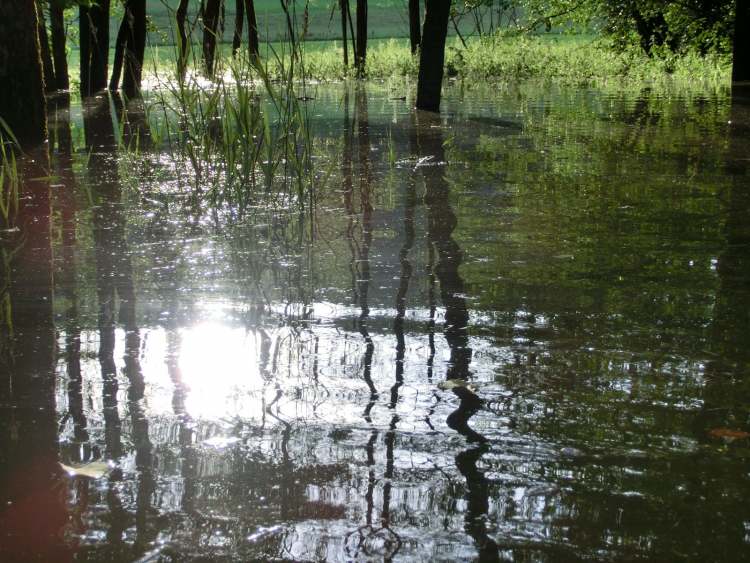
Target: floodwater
[(518, 331)]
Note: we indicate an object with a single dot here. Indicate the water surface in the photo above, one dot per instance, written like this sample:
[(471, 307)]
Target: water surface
[(517, 331)]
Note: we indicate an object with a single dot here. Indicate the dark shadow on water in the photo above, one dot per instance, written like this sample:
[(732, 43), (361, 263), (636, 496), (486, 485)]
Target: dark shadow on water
[(441, 223), (33, 504)]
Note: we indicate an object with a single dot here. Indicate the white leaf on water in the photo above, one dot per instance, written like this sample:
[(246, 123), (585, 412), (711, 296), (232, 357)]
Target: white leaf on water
[(93, 470)]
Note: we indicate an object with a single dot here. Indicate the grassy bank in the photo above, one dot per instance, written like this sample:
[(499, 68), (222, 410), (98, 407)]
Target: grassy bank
[(563, 59), (581, 60)]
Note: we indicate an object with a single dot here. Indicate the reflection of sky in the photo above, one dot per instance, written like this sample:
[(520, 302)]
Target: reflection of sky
[(318, 366)]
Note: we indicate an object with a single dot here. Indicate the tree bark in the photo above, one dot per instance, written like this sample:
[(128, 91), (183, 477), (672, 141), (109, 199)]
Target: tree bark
[(211, 17), (135, 47), (344, 7), (432, 56), (47, 67), (361, 47), (114, 81), (94, 41), (22, 104), (414, 25), (741, 51), (253, 44), (59, 56), (182, 48), (239, 20), (130, 47)]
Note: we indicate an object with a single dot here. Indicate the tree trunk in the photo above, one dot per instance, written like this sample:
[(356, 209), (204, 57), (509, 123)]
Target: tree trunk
[(289, 25), (182, 48), (22, 104), (59, 56), (344, 6), (211, 17), (253, 44), (361, 46), (414, 25), (741, 62), (94, 41), (239, 20), (114, 81), (47, 66), (432, 56), (135, 47)]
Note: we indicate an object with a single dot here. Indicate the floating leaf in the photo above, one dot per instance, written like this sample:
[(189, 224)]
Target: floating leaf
[(450, 384), (728, 434), (93, 470)]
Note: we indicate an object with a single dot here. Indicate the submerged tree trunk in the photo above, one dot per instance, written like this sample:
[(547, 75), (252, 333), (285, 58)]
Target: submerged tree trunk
[(239, 20), (414, 25), (182, 47), (47, 66), (741, 52), (94, 41), (22, 104), (253, 45), (59, 56), (211, 23), (432, 56), (361, 46)]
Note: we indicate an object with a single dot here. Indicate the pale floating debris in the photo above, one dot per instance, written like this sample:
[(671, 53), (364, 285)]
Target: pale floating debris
[(450, 384), (92, 470), (221, 442)]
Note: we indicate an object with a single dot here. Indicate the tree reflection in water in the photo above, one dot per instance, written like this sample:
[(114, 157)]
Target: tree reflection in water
[(33, 511), (441, 222), (249, 418)]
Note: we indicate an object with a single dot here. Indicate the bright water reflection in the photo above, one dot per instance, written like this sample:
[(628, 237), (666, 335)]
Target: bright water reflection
[(517, 332)]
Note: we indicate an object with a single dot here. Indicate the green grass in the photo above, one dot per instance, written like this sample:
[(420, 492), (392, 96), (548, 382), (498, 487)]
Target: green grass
[(563, 59)]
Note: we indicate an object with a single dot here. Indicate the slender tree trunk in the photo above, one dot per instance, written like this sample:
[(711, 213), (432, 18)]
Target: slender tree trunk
[(351, 28), (414, 25), (117, 62), (211, 17), (239, 20), (59, 56), (289, 26), (361, 47), (84, 43), (741, 62), (94, 40), (22, 104), (182, 48), (344, 6), (135, 47), (253, 44), (47, 66), (432, 55)]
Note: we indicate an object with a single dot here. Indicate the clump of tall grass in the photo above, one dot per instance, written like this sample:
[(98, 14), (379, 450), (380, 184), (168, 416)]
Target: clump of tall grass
[(9, 183), (243, 132), (9, 190)]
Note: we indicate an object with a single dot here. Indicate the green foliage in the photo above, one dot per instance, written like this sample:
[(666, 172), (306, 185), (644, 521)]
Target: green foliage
[(704, 26), (576, 59)]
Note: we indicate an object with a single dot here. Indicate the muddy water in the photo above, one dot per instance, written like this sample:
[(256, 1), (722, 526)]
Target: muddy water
[(519, 331)]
